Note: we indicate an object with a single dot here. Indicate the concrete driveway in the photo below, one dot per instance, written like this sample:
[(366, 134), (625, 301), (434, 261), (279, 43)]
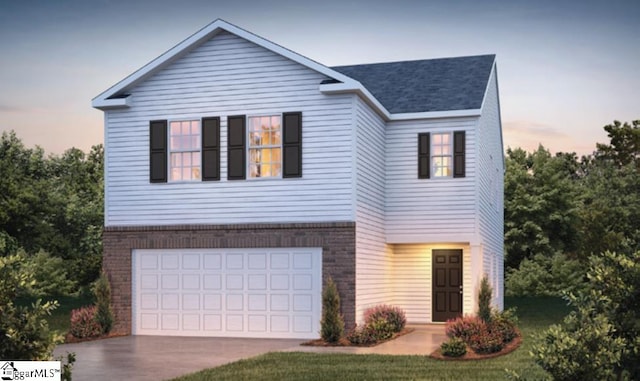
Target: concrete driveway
[(161, 357), (165, 357)]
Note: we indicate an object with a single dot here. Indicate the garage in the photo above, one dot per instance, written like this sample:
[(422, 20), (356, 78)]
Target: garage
[(274, 293)]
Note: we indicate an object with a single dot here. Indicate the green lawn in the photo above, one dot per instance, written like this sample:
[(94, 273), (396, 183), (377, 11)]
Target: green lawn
[(535, 315)]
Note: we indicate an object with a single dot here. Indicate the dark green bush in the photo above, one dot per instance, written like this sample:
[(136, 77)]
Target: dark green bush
[(332, 324), (455, 347), (484, 300), (104, 314)]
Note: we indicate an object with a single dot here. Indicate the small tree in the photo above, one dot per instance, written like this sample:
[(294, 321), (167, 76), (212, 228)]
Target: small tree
[(332, 324), (104, 314), (484, 300)]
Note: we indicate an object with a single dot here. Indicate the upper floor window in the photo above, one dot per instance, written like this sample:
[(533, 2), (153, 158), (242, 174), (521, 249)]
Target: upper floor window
[(265, 146), (184, 150), (441, 155)]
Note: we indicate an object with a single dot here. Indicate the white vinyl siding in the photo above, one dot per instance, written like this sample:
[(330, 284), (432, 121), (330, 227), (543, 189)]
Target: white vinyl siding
[(374, 283), (428, 210), (491, 190), (412, 277), (226, 76)]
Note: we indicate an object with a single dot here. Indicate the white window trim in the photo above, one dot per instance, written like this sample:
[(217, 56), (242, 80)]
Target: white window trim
[(248, 147), (432, 162), (170, 150)]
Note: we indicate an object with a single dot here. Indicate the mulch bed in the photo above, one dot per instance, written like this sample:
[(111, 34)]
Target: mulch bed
[(471, 355), (70, 339), (343, 342)]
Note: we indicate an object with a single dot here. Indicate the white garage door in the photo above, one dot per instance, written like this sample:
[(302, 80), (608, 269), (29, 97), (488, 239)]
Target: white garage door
[(272, 293)]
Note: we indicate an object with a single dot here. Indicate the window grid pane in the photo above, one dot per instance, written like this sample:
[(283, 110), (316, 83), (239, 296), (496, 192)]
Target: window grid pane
[(441, 155), (184, 145), (265, 147)]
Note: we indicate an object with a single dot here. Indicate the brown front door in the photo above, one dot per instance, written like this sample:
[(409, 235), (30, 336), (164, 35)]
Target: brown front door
[(447, 284)]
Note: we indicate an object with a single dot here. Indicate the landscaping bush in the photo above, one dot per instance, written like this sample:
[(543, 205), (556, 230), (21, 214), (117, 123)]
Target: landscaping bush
[(372, 332), (545, 276), (455, 347), (332, 324), (483, 337), (464, 327), (50, 275), (104, 315), (84, 323), (486, 341), (484, 300), (394, 316), (505, 323)]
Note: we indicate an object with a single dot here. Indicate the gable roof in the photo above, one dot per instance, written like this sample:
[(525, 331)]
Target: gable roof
[(444, 84), (397, 90)]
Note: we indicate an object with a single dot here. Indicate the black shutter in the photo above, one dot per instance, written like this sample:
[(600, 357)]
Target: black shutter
[(458, 153), (292, 144), (158, 151), (236, 153), (424, 162), (210, 149)]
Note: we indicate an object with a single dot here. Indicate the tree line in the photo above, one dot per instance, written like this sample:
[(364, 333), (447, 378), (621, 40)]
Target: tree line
[(560, 210), (51, 210)]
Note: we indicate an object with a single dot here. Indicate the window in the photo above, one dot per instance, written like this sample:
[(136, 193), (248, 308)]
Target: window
[(184, 150), (441, 155), (265, 146)]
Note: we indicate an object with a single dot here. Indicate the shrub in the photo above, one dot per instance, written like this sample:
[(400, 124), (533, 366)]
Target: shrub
[(332, 324), (24, 331), (505, 323), (484, 300), (545, 276), (599, 339), (84, 323), (464, 327), (102, 292), (361, 336), (372, 332), (483, 337), (50, 275), (394, 316), (486, 341), (455, 347)]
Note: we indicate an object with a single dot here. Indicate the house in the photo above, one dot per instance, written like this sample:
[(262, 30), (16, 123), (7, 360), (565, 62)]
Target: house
[(240, 175)]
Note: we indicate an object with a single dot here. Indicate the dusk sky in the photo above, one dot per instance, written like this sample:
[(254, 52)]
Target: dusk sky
[(565, 68)]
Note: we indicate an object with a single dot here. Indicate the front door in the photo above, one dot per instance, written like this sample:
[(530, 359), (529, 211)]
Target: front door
[(447, 284)]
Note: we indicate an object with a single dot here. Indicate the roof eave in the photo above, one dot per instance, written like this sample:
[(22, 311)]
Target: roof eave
[(435, 114), (111, 103)]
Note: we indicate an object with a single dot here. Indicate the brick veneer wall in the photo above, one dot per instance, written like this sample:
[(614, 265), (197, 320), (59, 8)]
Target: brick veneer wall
[(336, 239)]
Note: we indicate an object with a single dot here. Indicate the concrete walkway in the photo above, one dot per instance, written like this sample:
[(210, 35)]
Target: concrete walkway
[(164, 357)]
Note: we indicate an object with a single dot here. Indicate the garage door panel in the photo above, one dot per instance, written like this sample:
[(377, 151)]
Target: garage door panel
[(228, 292), (170, 262), (212, 281)]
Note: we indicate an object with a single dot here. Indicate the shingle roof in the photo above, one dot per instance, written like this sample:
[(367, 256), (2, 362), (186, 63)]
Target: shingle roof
[(443, 84)]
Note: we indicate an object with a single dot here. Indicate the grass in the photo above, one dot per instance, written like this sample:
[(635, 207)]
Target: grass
[(535, 315)]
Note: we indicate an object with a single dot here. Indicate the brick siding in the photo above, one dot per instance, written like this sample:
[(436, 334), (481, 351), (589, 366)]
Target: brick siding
[(336, 239)]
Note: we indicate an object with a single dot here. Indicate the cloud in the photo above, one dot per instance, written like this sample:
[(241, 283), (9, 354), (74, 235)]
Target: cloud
[(8, 109), (533, 129)]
